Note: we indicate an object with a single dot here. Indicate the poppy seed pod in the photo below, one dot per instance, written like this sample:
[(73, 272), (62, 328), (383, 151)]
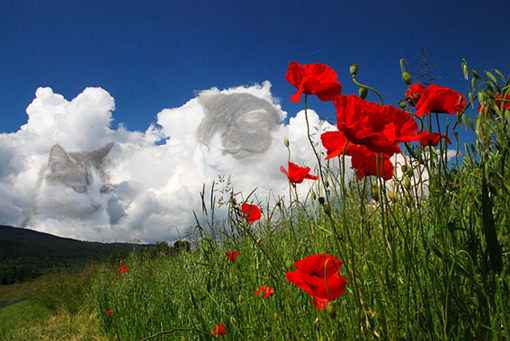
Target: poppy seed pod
[(406, 77), (353, 69)]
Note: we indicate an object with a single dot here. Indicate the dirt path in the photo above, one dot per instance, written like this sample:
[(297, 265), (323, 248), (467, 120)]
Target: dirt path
[(10, 302)]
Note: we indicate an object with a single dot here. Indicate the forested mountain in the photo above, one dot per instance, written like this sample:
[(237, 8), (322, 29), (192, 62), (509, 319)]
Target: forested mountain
[(26, 254)]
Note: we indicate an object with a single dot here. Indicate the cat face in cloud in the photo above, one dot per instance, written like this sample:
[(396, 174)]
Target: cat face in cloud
[(74, 185), (236, 128)]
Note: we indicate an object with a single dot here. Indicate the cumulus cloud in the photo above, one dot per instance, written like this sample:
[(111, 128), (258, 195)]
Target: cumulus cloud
[(159, 173)]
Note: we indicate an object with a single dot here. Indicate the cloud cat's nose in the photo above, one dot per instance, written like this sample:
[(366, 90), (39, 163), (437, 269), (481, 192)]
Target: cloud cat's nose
[(96, 206)]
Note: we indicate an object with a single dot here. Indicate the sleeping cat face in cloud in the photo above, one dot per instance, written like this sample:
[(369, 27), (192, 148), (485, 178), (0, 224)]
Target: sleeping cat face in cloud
[(236, 128)]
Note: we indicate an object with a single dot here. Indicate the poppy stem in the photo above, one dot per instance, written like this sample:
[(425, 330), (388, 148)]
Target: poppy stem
[(369, 88), (317, 156)]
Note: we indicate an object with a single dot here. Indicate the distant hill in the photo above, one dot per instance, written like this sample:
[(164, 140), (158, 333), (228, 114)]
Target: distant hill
[(26, 254)]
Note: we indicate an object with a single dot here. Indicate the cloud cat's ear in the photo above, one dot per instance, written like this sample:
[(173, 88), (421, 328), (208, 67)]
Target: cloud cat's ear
[(205, 99), (59, 159), (100, 153), (254, 120)]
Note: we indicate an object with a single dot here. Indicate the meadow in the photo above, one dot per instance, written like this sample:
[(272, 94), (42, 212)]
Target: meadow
[(419, 256)]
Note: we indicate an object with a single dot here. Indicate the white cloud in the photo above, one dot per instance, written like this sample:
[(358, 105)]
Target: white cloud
[(159, 173)]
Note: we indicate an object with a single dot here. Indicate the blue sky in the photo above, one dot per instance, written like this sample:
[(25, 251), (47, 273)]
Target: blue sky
[(151, 55)]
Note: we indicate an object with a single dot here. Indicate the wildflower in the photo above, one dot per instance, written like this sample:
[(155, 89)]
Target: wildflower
[(219, 329), (438, 99), (123, 268), (232, 255), (363, 159), (432, 139), (313, 79), (366, 162), (297, 174), (251, 212), (108, 312), (117, 277), (379, 128), (319, 276), (319, 303), (267, 291)]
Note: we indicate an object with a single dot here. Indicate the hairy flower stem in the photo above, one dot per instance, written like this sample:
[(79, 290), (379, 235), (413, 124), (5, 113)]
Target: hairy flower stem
[(248, 232), (369, 88), (317, 156)]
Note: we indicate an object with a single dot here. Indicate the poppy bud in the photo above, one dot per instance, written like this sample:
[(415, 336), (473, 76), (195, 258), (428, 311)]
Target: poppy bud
[(407, 183), (331, 310), (353, 69), (314, 196), (321, 201), (406, 77), (410, 171), (286, 142), (363, 92), (327, 210), (402, 104), (374, 193), (326, 183), (391, 195)]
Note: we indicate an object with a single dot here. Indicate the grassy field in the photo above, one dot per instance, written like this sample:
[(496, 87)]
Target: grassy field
[(419, 265)]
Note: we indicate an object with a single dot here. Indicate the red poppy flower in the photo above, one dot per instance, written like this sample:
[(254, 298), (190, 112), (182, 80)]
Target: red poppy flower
[(334, 142), (498, 103), (297, 174), (319, 276), (379, 128), (232, 255), (432, 139), (313, 79), (365, 163), (363, 159), (251, 212), (108, 312), (118, 277), (219, 329), (434, 99), (319, 303), (265, 290), (123, 268)]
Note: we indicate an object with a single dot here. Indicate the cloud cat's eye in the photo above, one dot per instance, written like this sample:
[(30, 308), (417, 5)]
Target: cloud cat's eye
[(105, 189), (80, 189), (231, 151)]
